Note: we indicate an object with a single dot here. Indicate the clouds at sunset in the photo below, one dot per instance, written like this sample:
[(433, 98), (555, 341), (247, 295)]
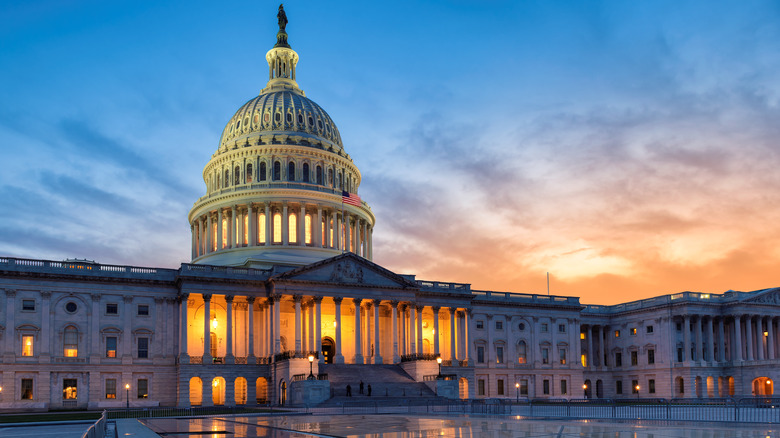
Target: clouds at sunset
[(628, 148)]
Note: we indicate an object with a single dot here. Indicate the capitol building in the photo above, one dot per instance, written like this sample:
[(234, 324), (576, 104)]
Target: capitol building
[(282, 304)]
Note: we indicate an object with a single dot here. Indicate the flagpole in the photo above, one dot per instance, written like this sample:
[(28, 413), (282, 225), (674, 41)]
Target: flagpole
[(548, 283)]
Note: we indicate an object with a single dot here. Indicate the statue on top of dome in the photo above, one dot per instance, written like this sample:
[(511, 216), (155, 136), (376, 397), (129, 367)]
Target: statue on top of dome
[(282, 18)]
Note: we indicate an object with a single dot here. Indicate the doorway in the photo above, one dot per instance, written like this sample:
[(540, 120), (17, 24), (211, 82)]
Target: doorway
[(328, 349)]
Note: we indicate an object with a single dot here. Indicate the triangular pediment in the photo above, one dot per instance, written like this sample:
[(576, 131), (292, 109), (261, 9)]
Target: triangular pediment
[(767, 296), (346, 269)]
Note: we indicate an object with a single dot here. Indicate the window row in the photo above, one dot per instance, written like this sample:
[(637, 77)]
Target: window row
[(29, 305), (521, 326), (70, 389), (546, 351), (71, 341), (295, 121), (340, 179)]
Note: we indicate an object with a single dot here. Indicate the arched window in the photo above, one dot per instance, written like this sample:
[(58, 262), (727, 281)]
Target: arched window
[(249, 173), (277, 227), (307, 228), (218, 183), (71, 342), (322, 239), (305, 172), (262, 171), (246, 229), (224, 232), (319, 175), (236, 176), (522, 353), (277, 171), (291, 171), (227, 178), (261, 227), (331, 234), (292, 226), (330, 177)]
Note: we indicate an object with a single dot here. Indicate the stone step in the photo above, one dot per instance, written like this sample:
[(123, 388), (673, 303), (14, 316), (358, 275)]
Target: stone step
[(386, 381)]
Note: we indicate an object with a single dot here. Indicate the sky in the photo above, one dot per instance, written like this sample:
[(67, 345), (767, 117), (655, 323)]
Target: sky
[(629, 148)]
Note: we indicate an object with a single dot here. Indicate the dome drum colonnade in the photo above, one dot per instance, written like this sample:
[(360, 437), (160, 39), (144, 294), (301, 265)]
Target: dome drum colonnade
[(277, 183)]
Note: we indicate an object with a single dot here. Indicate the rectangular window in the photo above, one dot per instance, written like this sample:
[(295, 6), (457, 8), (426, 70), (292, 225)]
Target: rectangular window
[(500, 388), (635, 386), (27, 345), (143, 310), (584, 360), (545, 355), (649, 329), (582, 335), (111, 346), (618, 359), (650, 357), (69, 389), (546, 387), (561, 328), (28, 305), (564, 387), (480, 325), (632, 331), (143, 388), (481, 387), (544, 328), (679, 355), (27, 389), (617, 333), (110, 388), (499, 354), (143, 348), (499, 325), (651, 386), (480, 354), (619, 387), (562, 356), (634, 358), (524, 387), (71, 341), (112, 309), (679, 326)]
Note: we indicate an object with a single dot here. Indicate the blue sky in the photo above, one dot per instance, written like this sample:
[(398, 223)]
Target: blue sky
[(629, 148)]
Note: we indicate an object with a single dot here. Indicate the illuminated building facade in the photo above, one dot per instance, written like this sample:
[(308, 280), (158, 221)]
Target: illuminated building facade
[(281, 269)]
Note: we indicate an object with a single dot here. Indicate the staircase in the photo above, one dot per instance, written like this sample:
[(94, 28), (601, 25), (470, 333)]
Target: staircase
[(387, 382)]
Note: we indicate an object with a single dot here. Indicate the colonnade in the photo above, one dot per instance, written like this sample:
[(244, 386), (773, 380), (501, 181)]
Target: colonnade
[(265, 332), (730, 338), (285, 224)]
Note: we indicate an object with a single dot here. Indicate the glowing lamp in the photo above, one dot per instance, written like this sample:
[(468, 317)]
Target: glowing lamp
[(584, 386), (127, 386), (517, 385), (214, 323), (216, 383)]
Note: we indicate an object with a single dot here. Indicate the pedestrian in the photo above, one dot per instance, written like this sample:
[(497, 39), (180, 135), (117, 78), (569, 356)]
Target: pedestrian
[(369, 390), (349, 391), (361, 386)]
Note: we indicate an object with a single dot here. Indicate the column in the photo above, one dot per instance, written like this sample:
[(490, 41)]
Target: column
[(337, 231), (377, 346), (193, 231), (412, 327), (252, 220), (209, 234), (347, 240), (749, 336), (736, 352), (466, 338), (234, 241), (206, 331), (268, 223), (589, 336), (183, 356), (229, 357), (770, 339), (285, 226), (310, 326), (686, 338), (453, 349), (367, 323), (711, 339), (600, 348), (721, 342), (365, 240), (201, 238), (394, 317), (699, 340), (370, 244), (318, 328), (219, 228), (402, 328), (297, 301), (251, 359), (358, 354), (316, 228), (276, 324), (759, 339), (419, 329), (338, 357), (436, 332), (302, 226)]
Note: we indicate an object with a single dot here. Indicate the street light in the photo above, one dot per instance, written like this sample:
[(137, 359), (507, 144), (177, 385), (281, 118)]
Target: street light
[(517, 392), (637, 391), (311, 362), (438, 360), (127, 394)]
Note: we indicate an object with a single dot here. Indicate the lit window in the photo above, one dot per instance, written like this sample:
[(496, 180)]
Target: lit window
[(224, 232), (111, 346), (143, 310), (521, 352), (562, 356), (277, 228), (632, 331), (499, 354), (261, 227), (143, 388), (292, 223), (617, 333), (71, 341), (332, 245), (308, 229), (323, 232), (143, 348), (27, 389), (584, 360), (246, 229), (28, 305), (110, 388), (27, 345), (582, 335), (69, 389)]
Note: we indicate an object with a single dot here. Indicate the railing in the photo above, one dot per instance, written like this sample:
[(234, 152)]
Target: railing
[(97, 430), (433, 377), (528, 298), (158, 412), (305, 376), (85, 267), (286, 355), (414, 357)]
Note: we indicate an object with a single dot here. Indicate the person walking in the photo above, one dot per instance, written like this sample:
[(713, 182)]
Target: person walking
[(349, 391), (361, 386), (369, 390)]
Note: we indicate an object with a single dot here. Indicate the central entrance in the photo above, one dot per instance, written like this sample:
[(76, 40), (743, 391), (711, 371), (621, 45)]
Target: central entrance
[(328, 349)]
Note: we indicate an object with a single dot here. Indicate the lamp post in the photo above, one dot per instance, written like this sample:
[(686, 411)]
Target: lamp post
[(127, 394), (311, 362), (438, 360), (517, 392), (585, 389), (637, 391)]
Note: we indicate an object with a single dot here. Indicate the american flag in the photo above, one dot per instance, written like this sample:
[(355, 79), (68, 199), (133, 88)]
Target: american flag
[(350, 198)]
